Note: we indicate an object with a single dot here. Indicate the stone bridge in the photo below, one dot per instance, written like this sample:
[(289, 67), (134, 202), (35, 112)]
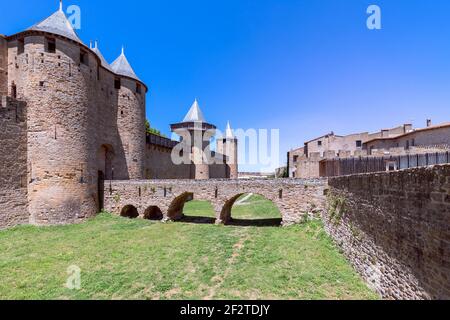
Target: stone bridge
[(165, 199)]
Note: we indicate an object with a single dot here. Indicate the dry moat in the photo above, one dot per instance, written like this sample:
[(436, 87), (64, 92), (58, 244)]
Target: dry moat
[(122, 258)]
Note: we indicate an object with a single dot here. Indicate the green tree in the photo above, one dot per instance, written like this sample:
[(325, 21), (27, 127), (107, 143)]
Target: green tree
[(151, 130)]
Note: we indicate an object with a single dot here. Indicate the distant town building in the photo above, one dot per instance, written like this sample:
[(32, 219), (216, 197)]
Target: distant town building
[(304, 162)]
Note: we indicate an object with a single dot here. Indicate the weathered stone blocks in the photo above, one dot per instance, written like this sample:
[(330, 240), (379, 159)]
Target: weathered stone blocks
[(296, 199), (394, 229)]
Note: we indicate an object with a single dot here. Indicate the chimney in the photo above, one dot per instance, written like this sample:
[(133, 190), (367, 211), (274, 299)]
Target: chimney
[(407, 128), (385, 133), (428, 123)]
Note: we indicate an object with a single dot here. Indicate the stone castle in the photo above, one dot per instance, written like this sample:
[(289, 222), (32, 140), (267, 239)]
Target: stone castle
[(69, 121)]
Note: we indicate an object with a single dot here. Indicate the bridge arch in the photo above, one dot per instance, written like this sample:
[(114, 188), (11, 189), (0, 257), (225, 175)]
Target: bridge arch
[(129, 211), (153, 213), (175, 211), (295, 199), (226, 212)]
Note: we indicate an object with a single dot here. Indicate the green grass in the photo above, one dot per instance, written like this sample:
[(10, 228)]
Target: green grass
[(138, 259)]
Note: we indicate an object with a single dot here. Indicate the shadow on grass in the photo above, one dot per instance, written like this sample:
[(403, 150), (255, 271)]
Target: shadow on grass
[(255, 222), (234, 222), (198, 220)]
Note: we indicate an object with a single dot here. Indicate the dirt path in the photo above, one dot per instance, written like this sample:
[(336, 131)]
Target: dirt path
[(243, 200), (219, 279)]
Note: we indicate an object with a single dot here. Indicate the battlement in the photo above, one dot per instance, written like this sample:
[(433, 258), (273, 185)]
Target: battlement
[(156, 140)]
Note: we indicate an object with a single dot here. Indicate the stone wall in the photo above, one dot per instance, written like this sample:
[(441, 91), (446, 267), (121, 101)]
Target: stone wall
[(395, 229), (159, 164), (3, 66), (78, 125), (13, 163), (420, 139), (296, 199)]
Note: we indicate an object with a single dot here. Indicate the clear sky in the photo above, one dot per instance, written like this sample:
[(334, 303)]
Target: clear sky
[(306, 67)]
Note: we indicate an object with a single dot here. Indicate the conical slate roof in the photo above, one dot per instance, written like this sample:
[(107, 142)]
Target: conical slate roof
[(104, 63), (194, 114), (229, 132), (122, 67), (58, 24)]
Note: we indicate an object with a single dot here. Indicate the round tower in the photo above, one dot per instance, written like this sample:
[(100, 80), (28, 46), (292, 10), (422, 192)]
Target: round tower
[(131, 116), (197, 132), (51, 70), (86, 119)]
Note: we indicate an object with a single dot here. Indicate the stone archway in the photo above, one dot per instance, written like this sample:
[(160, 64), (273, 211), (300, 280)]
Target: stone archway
[(227, 218), (129, 211), (153, 213), (175, 211)]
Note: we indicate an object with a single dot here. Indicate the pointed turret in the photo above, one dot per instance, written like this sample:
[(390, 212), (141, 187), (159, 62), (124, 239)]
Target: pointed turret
[(194, 114), (228, 146), (229, 132), (58, 24), (105, 64), (195, 131), (122, 67)]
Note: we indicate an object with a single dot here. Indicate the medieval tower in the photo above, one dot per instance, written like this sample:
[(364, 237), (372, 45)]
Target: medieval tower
[(69, 121), (228, 146), (85, 119)]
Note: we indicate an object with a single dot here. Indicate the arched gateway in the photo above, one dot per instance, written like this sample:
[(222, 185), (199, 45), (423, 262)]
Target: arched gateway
[(294, 198)]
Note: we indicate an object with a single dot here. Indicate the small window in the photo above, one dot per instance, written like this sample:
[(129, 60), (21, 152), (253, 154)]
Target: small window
[(51, 45), (138, 88), (319, 143), (20, 46), (407, 145), (413, 143), (295, 158), (358, 143), (84, 58), (13, 91), (41, 83), (117, 84)]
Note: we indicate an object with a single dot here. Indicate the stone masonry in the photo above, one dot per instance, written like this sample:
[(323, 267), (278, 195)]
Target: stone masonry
[(85, 122), (296, 199), (394, 229), (13, 160)]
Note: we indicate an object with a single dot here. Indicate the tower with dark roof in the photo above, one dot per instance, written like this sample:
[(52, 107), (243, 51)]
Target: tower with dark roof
[(197, 133), (85, 121)]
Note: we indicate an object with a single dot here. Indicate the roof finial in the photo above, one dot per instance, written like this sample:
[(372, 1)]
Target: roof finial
[(90, 44), (96, 44), (229, 131), (60, 6), (123, 50)]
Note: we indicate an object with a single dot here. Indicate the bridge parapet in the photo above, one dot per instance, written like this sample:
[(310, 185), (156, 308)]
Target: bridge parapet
[(295, 199)]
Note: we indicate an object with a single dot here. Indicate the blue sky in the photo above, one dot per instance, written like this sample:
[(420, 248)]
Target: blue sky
[(306, 67)]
